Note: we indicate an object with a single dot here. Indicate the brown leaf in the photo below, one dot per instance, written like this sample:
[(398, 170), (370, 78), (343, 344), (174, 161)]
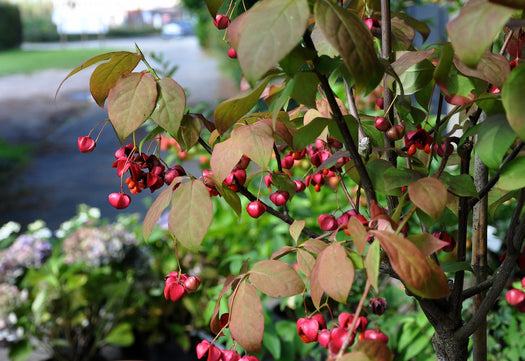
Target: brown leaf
[(276, 278), (247, 319), (430, 195)]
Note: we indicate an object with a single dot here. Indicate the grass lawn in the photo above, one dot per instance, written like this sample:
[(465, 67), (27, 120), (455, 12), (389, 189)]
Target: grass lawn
[(29, 61)]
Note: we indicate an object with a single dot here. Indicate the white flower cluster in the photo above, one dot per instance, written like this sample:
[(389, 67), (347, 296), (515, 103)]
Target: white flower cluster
[(10, 298)]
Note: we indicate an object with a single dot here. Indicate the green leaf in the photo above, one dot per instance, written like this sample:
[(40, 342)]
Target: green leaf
[(420, 26), (348, 34), (417, 77), (231, 110), (191, 214), (131, 101), (372, 261), (377, 168), (334, 272), (283, 182), (475, 28), (442, 70), (512, 95), (495, 136), (461, 185), (214, 6), (276, 278), (87, 64), (121, 335), (307, 134), (399, 177), (511, 177), (273, 28), (402, 33), (189, 131), (247, 319), (430, 195), (171, 104), (305, 88), (305, 261), (20, 351), (105, 76), (231, 198), (453, 266)]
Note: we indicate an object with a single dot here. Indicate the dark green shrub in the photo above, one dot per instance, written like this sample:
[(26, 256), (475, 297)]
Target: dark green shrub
[(37, 24), (10, 27)]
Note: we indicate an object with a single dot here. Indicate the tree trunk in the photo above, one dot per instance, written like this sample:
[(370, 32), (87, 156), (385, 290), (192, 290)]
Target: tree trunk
[(448, 348)]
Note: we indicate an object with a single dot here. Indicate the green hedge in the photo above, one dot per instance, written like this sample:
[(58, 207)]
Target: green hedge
[(10, 27)]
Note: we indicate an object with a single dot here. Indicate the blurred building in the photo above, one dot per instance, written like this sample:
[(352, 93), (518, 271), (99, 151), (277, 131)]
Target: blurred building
[(97, 16)]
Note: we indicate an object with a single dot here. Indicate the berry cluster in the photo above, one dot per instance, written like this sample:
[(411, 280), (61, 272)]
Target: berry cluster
[(222, 22), (215, 354), (313, 328), (178, 284), (516, 296), (328, 222)]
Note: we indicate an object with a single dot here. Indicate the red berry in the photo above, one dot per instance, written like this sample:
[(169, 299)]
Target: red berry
[(307, 328), (380, 102), (515, 296), (230, 355), (119, 200), (376, 335), (256, 209), (192, 283), (324, 338), (523, 282), (382, 124), (279, 198), (337, 338), (86, 144), (221, 21), (232, 53), (287, 162), (327, 222), (299, 186)]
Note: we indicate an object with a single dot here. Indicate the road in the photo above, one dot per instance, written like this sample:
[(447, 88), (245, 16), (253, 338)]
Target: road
[(59, 177)]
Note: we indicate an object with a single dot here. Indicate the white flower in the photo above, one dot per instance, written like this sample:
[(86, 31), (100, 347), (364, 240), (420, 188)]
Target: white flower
[(9, 228)]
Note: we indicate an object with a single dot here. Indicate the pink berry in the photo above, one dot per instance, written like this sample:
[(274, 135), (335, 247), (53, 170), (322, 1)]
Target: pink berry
[(119, 200), (327, 222), (382, 124), (232, 53), (256, 209), (376, 335), (86, 144), (515, 296), (280, 198), (221, 21)]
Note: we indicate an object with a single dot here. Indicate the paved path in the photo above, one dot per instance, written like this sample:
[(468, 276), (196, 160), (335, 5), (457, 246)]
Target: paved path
[(60, 177)]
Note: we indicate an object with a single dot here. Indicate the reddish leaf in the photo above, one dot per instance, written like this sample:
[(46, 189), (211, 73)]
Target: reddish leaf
[(358, 233), (375, 350), (474, 29), (403, 34), (191, 214), (296, 228), (272, 29), (430, 195), (247, 319), (436, 286), (283, 251), (215, 324), (305, 261), (171, 104), (315, 246), (281, 130), (155, 210), (410, 58), (406, 259), (224, 157), (106, 75), (355, 356), (334, 272), (131, 101), (276, 278), (231, 110), (493, 68), (256, 141), (348, 34), (427, 243)]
